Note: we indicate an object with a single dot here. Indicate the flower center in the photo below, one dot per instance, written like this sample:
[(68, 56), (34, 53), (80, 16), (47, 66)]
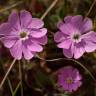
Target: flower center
[(23, 34), (69, 80), (76, 36)]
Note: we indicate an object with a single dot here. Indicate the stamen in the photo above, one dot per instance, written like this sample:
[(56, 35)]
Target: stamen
[(23, 34), (76, 36), (69, 81)]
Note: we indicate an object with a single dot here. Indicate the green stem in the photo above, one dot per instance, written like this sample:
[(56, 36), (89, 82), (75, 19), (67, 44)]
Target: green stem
[(17, 88), (10, 86), (20, 73)]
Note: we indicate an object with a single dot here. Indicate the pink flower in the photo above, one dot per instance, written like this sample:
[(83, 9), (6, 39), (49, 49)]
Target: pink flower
[(23, 35), (69, 79), (75, 36)]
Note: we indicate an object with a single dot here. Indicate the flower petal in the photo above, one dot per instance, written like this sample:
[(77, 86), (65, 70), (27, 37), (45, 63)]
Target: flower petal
[(34, 47), (89, 36), (79, 50), (5, 29), (65, 44), (36, 23), (43, 40), (16, 50), (25, 18), (65, 86), (14, 20), (67, 19), (60, 23), (90, 46), (75, 75), (58, 37), (67, 29), (86, 25), (65, 71), (90, 41), (27, 53), (8, 41), (68, 52), (77, 21), (76, 85), (38, 33)]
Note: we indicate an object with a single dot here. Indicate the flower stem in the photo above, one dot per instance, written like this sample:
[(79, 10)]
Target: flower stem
[(49, 9), (90, 9), (84, 68), (51, 60), (8, 80), (20, 73), (15, 91), (10, 86), (7, 73), (11, 6)]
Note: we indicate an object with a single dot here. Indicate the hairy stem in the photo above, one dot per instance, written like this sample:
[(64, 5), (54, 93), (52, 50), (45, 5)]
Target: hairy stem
[(51, 60), (49, 9)]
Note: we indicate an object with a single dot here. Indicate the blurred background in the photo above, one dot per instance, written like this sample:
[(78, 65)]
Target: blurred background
[(39, 77)]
